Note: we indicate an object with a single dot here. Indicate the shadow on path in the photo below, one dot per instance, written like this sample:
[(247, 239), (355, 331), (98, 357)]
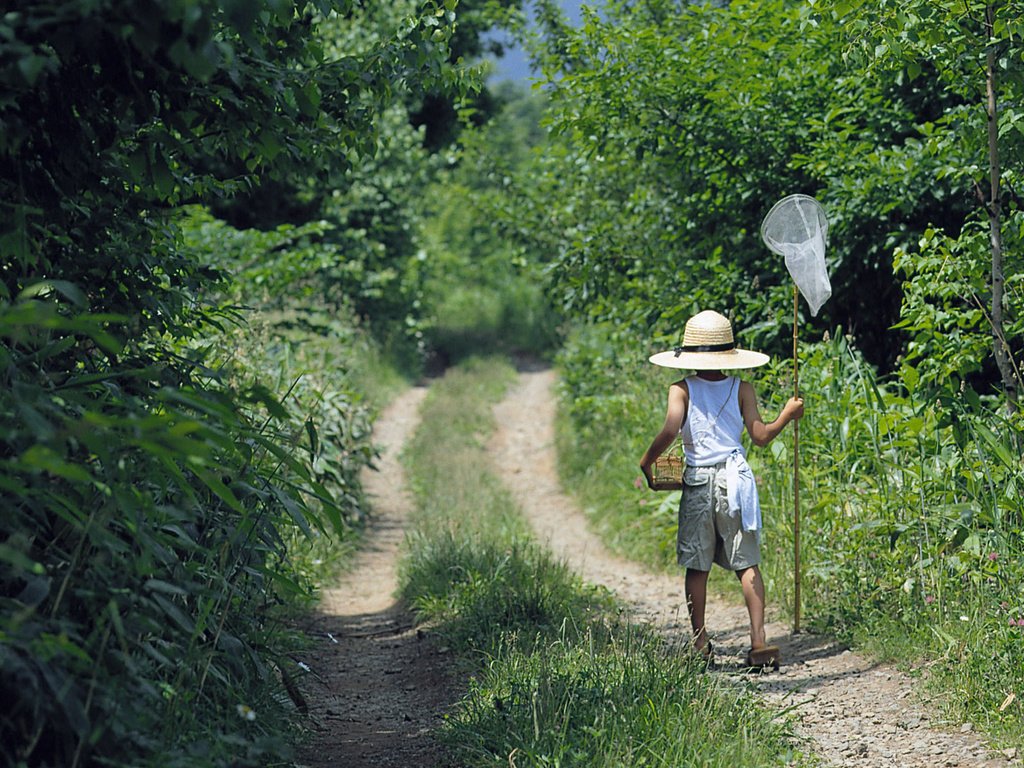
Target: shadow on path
[(377, 689)]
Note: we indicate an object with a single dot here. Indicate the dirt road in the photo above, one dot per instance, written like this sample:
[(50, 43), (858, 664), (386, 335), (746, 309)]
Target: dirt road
[(378, 687), (381, 689)]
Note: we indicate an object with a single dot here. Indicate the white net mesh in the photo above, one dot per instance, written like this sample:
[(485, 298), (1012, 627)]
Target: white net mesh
[(796, 228)]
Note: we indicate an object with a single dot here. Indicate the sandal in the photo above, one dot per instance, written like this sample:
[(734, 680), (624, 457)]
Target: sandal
[(761, 659)]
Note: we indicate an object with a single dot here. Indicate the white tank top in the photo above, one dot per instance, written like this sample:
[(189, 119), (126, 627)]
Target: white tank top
[(713, 425)]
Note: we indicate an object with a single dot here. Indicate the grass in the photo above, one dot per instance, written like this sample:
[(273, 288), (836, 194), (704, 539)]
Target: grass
[(337, 378), (615, 701), (557, 679)]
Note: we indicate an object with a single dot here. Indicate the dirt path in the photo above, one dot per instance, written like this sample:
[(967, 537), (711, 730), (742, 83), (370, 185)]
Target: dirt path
[(854, 713), (378, 685)]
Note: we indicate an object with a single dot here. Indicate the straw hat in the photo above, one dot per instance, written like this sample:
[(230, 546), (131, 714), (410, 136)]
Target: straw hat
[(708, 345)]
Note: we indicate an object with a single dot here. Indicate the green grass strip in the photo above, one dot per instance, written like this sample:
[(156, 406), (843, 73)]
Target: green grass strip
[(557, 679)]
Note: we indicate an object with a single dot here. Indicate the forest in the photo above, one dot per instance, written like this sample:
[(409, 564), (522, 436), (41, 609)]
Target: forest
[(231, 231)]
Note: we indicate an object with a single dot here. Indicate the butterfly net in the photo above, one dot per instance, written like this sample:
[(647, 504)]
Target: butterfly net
[(796, 228)]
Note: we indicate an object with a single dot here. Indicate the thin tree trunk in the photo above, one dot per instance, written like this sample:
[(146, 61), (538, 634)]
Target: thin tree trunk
[(1000, 347)]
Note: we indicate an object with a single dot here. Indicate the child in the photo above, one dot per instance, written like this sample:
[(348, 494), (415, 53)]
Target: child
[(719, 514)]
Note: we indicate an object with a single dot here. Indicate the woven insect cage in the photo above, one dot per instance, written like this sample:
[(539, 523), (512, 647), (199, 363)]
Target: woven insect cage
[(667, 471)]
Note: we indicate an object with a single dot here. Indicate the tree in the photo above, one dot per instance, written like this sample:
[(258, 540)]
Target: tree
[(677, 127), (480, 293), (118, 111), (970, 47), (441, 115)]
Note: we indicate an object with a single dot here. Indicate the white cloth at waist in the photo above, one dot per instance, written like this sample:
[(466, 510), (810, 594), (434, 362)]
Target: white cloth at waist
[(742, 491)]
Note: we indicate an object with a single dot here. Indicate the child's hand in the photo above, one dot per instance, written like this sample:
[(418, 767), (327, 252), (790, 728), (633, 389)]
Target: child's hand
[(794, 408)]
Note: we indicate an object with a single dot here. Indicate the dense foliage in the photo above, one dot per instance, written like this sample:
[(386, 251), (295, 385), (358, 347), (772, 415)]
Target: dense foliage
[(478, 291), (678, 125)]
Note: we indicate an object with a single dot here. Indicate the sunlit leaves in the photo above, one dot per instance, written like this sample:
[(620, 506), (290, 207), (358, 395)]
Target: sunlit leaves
[(957, 41), (680, 125)]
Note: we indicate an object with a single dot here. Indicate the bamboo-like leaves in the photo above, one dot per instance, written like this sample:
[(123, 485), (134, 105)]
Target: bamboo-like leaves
[(147, 524)]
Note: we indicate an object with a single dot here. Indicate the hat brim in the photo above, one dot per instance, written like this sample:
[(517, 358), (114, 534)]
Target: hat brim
[(710, 361)]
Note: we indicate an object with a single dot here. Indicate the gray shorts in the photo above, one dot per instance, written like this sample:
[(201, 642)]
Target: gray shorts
[(708, 531)]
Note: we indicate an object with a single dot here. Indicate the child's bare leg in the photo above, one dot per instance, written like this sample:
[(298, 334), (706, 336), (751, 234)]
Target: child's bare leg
[(753, 595), (696, 602)]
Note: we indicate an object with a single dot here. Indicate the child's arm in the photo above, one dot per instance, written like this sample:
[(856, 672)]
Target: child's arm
[(678, 399), (760, 433)]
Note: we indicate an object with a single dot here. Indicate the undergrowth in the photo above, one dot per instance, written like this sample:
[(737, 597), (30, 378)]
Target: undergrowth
[(149, 575), (557, 678)]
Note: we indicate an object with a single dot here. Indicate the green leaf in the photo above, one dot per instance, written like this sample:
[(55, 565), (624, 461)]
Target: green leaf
[(31, 66), (40, 458), (64, 689), (44, 287), (161, 176), (219, 489), (910, 377), (314, 443), (261, 394), (296, 511), (18, 559), (36, 590), (165, 587), (176, 614), (308, 99), (1002, 451), (115, 619)]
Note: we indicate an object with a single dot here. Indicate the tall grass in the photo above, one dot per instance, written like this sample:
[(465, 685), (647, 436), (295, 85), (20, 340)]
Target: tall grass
[(912, 538), (557, 679), (617, 701), (337, 378)]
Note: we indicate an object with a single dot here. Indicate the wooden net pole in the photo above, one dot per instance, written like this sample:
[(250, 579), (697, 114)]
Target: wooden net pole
[(796, 474)]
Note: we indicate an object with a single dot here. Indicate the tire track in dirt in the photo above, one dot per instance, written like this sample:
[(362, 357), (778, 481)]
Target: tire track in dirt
[(377, 687), (851, 711)]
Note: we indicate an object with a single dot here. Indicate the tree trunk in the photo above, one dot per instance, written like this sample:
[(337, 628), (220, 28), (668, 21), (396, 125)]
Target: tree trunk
[(1007, 369)]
